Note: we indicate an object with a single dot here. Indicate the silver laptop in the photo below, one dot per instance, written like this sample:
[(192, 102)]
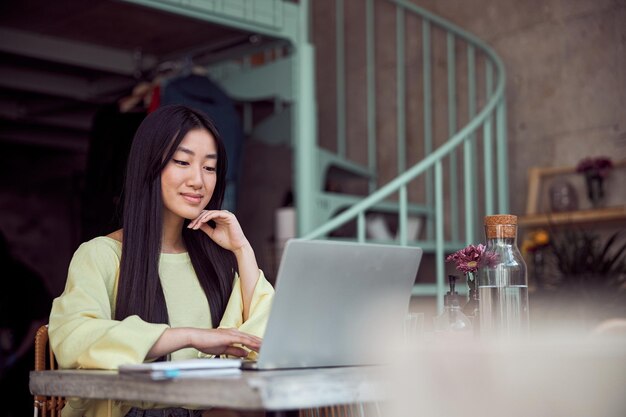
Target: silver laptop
[(337, 304)]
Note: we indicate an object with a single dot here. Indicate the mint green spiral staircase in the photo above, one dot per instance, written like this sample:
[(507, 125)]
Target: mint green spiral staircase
[(481, 175)]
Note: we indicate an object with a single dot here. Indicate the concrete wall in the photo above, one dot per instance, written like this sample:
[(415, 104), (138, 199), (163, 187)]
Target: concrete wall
[(566, 83)]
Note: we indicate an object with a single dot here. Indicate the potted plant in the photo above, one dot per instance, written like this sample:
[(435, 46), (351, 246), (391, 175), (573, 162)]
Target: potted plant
[(589, 274)]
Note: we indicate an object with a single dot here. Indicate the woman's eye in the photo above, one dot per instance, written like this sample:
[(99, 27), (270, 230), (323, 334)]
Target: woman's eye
[(210, 169), (179, 162)]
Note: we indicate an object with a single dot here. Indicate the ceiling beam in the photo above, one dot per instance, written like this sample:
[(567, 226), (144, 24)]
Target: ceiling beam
[(61, 85), (79, 119), (74, 53), (70, 141)]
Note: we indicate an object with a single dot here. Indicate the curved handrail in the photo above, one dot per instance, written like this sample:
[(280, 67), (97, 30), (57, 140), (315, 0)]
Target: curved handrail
[(408, 176), (437, 155)]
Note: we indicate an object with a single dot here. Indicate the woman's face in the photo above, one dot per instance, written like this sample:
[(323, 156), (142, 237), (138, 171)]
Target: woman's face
[(188, 179)]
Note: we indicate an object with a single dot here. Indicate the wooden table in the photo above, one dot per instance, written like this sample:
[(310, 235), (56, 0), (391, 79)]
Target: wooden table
[(559, 374), (251, 390)]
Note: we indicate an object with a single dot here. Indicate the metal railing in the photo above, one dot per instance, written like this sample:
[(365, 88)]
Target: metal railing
[(479, 129)]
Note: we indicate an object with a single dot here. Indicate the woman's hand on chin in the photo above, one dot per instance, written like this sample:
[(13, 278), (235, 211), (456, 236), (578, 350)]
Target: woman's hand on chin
[(227, 232)]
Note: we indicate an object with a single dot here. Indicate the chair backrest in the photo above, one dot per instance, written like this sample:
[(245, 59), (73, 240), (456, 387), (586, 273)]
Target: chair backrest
[(44, 360)]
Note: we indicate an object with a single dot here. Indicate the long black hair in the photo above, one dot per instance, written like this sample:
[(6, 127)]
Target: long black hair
[(139, 287)]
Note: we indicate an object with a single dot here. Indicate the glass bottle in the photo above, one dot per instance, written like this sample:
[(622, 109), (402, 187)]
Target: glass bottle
[(503, 281), (452, 322)]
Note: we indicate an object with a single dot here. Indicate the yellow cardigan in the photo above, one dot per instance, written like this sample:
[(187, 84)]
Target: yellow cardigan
[(83, 334)]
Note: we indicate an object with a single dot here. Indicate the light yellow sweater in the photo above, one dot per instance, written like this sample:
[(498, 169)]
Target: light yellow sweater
[(83, 334)]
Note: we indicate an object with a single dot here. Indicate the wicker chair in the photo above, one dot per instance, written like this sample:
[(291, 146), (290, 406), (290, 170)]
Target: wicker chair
[(44, 360), (346, 410)]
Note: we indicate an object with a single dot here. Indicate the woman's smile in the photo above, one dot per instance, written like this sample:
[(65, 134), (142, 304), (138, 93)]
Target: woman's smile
[(192, 198)]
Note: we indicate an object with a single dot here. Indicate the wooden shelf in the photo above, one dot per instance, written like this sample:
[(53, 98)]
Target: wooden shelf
[(608, 214)]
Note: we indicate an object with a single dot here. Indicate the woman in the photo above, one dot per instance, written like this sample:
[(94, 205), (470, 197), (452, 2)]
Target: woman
[(179, 281)]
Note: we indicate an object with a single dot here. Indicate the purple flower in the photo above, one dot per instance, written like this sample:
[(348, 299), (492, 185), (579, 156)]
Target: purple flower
[(599, 166), (470, 258)]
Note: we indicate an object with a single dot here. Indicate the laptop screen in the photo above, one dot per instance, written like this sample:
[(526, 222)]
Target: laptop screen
[(337, 303)]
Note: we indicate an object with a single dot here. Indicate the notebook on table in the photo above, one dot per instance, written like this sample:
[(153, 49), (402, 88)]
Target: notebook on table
[(191, 368), (337, 304)]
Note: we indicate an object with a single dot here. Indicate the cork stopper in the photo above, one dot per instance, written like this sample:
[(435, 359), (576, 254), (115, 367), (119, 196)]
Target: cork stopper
[(501, 226)]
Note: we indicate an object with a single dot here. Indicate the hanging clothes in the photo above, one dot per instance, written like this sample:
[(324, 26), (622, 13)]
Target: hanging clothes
[(111, 135), (155, 100), (199, 92)]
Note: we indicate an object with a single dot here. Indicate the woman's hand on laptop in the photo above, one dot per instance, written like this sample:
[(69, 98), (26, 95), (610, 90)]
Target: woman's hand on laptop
[(223, 341), (211, 341)]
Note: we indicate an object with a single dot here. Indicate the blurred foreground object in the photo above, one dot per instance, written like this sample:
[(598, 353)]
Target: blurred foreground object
[(567, 375)]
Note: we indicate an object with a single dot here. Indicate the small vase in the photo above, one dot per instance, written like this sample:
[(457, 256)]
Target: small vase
[(595, 188), (471, 306)]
